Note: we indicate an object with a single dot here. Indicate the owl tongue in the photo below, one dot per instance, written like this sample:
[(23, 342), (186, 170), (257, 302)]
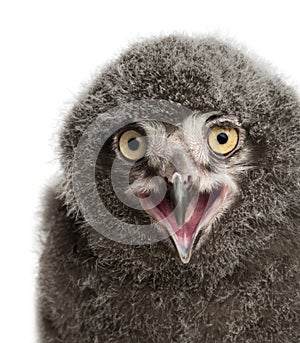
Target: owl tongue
[(183, 232), (194, 213), (180, 212)]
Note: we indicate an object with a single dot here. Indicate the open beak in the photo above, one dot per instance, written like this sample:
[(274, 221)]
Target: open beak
[(180, 198), (184, 211)]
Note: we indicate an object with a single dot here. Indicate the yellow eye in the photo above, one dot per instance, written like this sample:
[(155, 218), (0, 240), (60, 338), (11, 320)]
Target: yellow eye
[(223, 140), (132, 145)]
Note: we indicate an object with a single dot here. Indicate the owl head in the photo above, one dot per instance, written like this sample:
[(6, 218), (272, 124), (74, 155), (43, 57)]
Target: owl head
[(183, 147)]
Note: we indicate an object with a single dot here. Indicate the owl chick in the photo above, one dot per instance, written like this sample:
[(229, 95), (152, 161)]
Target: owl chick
[(176, 217)]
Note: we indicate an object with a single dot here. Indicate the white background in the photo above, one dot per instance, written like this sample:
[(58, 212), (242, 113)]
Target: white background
[(47, 49)]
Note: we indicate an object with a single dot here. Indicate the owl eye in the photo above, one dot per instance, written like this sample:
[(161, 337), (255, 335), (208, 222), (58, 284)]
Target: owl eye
[(132, 145), (223, 140)]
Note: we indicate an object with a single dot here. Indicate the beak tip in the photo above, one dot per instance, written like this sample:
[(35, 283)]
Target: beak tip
[(184, 254), (185, 260)]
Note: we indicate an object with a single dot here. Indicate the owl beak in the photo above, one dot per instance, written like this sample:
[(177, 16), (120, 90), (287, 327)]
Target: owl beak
[(180, 197), (184, 212)]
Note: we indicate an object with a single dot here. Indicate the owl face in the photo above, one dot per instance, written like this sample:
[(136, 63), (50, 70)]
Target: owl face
[(228, 175), (185, 176)]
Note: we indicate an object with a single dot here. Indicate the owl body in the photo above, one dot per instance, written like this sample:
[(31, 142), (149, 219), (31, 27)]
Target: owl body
[(242, 284)]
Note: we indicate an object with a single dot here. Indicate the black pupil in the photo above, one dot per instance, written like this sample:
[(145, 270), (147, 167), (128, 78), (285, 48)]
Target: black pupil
[(133, 144), (222, 138)]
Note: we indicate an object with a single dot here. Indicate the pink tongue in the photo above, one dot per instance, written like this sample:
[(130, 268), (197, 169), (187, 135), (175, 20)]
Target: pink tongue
[(194, 213), (164, 214)]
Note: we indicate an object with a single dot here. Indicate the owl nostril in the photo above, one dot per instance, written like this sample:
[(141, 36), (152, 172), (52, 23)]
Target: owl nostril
[(168, 182), (187, 180)]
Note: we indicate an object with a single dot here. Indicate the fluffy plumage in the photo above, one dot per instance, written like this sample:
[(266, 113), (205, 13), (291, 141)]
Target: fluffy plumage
[(243, 284)]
